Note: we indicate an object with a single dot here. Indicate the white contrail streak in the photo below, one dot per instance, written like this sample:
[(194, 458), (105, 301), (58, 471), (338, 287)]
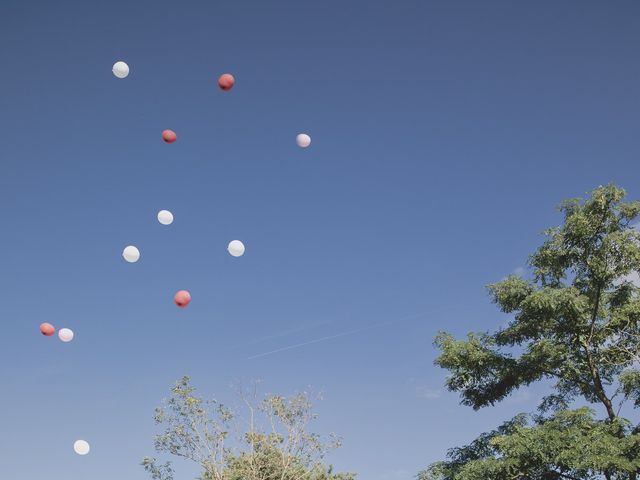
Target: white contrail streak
[(307, 343), (343, 334), (283, 333)]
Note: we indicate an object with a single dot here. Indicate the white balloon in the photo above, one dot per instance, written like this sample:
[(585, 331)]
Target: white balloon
[(120, 69), (236, 248), (81, 447), (165, 217), (65, 334), (303, 140), (131, 254)]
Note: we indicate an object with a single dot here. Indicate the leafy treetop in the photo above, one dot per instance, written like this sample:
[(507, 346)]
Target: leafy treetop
[(273, 442), (576, 323)]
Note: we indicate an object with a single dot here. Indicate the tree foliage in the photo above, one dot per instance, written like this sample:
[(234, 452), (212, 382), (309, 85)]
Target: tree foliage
[(269, 442), (576, 323)]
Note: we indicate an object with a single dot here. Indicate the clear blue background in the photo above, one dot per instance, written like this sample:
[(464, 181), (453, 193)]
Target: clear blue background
[(444, 134)]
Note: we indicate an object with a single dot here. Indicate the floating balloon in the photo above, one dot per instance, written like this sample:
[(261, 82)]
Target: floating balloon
[(131, 254), (303, 140), (169, 136), (236, 248), (165, 217), (226, 81), (81, 447), (120, 69), (65, 334), (47, 329), (182, 298)]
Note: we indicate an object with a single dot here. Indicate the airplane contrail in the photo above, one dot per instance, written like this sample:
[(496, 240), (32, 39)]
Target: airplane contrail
[(343, 334), (284, 333), (307, 343)]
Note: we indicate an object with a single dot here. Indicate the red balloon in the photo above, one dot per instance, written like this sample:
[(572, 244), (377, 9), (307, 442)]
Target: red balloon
[(47, 329), (182, 298), (226, 81), (169, 136)]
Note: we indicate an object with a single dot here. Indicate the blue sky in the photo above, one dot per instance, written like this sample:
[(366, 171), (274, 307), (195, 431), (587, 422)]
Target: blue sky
[(444, 134)]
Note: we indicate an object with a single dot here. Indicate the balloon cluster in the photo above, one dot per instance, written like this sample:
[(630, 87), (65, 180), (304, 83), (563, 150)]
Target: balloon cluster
[(236, 248), (131, 253)]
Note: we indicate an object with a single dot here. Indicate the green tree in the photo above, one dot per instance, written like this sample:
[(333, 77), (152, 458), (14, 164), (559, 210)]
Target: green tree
[(269, 442), (576, 324)]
